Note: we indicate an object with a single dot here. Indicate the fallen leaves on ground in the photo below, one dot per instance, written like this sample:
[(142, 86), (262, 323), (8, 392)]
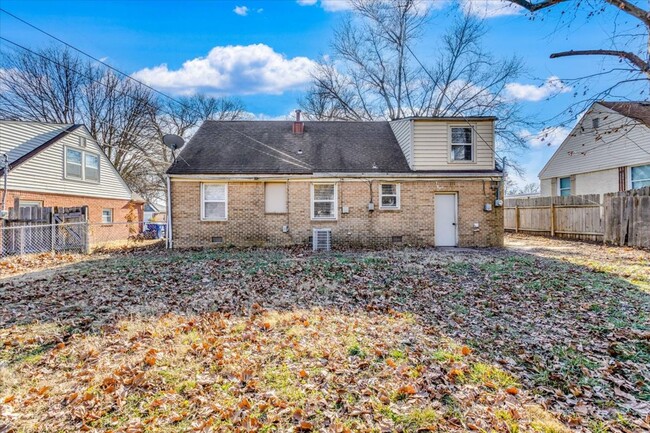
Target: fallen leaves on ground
[(287, 340)]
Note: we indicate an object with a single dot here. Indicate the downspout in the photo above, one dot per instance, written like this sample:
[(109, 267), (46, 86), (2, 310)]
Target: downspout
[(170, 241), (5, 157)]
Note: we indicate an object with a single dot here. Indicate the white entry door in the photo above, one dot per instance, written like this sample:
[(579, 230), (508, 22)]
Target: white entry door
[(445, 220)]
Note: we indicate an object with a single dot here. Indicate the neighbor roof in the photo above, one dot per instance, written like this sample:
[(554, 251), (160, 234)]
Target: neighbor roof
[(635, 110), (270, 147), (21, 140)]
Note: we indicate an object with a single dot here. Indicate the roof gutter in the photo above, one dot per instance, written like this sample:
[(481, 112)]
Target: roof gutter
[(359, 176)]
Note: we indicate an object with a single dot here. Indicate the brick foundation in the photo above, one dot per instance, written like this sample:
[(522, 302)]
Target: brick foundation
[(249, 225)]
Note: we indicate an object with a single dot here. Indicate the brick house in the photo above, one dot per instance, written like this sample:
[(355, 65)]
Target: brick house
[(416, 181), (62, 165)]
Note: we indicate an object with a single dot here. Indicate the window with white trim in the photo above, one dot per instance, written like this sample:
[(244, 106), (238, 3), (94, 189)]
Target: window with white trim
[(323, 201), (73, 164), (107, 216), (275, 197), (564, 186), (640, 176), (389, 196), (462, 143), (82, 165), (214, 201)]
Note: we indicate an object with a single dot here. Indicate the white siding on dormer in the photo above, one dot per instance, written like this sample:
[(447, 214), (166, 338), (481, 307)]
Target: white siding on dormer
[(624, 142), (402, 131), (44, 172), (19, 138), (431, 145)]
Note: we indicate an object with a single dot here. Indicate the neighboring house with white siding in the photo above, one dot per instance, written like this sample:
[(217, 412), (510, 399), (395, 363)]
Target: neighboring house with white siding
[(62, 165), (607, 151)]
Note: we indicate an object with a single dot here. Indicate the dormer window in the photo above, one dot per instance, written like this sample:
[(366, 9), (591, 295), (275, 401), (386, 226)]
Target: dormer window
[(462, 144)]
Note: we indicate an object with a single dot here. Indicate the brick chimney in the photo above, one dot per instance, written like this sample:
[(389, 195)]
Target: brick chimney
[(298, 126)]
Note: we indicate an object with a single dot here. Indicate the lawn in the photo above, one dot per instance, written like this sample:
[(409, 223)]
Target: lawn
[(515, 340)]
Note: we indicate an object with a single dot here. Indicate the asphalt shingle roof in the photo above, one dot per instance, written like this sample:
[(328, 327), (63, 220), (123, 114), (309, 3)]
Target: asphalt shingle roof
[(270, 147)]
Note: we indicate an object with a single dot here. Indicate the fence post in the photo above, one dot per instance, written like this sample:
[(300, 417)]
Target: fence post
[(86, 248), (52, 236), (516, 218), (22, 240), (552, 218)]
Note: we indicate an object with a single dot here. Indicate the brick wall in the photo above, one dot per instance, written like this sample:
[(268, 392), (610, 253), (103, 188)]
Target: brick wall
[(99, 232), (249, 225)]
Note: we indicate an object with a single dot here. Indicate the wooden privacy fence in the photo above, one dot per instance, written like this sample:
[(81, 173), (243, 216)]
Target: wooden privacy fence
[(573, 217), (627, 218)]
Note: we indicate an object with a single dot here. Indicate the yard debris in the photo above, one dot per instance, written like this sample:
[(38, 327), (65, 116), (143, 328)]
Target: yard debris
[(408, 340)]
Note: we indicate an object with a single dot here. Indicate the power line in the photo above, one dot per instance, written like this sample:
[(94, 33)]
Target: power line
[(297, 162)]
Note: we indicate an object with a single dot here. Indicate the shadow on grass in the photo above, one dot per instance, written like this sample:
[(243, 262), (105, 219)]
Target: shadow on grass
[(574, 338)]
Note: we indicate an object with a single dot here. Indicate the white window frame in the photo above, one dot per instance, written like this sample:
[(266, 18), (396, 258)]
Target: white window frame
[(335, 202), (559, 185), (629, 175), (83, 165), (451, 144), (111, 211), (31, 203), (203, 201), (397, 196)]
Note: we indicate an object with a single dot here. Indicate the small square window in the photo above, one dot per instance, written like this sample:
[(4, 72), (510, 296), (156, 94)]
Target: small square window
[(107, 216), (595, 122), (640, 176)]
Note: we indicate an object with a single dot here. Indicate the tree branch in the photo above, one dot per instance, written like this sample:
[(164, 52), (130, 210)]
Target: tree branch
[(630, 57)]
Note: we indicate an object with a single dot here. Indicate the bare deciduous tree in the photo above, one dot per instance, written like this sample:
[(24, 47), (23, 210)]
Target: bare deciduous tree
[(374, 72), (126, 118)]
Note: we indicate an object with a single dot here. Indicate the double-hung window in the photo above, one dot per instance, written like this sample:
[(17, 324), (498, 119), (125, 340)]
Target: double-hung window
[(640, 176), (81, 165), (565, 186), (323, 201), (389, 196), (107, 216), (462, 143), (214, 201)]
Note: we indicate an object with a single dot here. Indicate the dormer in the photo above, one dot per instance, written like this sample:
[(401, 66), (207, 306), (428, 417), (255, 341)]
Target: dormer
[(446, 143)]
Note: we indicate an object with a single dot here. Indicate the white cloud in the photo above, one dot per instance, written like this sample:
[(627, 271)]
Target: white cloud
[(552, 136), (530, 92), (490, 8), (233, 70), (241, 10), (307, 2)]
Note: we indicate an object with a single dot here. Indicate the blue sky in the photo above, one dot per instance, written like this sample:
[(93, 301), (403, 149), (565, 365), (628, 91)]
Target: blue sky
[(265, 48)]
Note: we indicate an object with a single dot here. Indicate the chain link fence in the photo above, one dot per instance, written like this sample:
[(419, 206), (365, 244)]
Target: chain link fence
[(80, 237)]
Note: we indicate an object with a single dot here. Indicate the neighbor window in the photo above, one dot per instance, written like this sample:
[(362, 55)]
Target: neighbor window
[(565, 186), (80, 164), (323, 201), (91, 167), (214, 201), (107, 216), (275, 197), (640, 176), (389, 196), (461, 144), (73, 165)]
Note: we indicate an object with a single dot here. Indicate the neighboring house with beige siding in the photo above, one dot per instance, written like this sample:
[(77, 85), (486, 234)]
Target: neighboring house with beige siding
[(62, 165), (417, 181), (607, 151)]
